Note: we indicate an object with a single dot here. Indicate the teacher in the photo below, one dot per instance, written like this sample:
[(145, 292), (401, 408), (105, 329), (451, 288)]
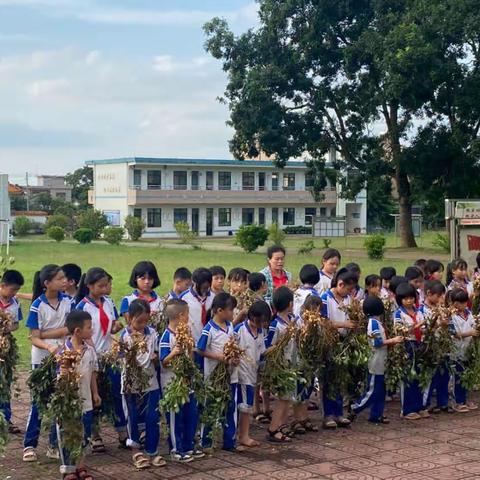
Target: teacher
[(274, 273)]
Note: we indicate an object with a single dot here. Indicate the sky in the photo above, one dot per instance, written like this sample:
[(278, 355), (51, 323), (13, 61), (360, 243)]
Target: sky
[(93, 79)]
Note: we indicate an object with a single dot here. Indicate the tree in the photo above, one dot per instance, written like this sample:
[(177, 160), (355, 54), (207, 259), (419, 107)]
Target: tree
[(321, 74), (186, 235), (22, 226), (56, 233), (250, 237), (81, 180), (94, 220), (18, 203), (135, 227), (58, 221), (42, 201)]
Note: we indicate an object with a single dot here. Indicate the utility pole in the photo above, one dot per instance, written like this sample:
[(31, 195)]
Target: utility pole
[(28, 192)]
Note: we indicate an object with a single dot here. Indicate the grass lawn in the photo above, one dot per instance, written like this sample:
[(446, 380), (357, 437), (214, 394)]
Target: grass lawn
[(32, 253)]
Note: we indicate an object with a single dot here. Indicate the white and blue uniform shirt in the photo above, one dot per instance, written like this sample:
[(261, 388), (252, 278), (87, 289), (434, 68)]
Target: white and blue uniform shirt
[(376, 338), (166, 345), (300, 295), (101, 341), (402, 317), (195, 311), (465, 285), (44, 316), (332, 310), (254, 346), (155, 302), (324, 283), (146, 359), (13, 309), (172, 294), (213, 339), (462, 324), (358, 293), (277, 329)]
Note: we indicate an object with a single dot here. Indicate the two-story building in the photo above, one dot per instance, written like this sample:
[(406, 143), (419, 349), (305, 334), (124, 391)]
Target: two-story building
[(215, 197)]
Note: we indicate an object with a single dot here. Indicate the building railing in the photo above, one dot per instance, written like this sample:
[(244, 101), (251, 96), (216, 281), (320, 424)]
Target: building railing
[(224, 188)]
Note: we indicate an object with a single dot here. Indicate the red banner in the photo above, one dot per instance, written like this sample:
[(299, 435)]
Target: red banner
[(473, 242)]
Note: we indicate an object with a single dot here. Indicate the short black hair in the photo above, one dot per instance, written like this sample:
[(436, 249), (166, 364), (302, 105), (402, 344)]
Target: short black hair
[(76, 319), (412, 273), (274, 249), (312, 302), (73, 272), (202, 275), (386, 273), (346, 276), (395, 281), (420, 263), (354, 267), (373, 306), (282, 297), (138, 307), (182, 273), (239, 274), (403, 291), (12, 277), (331, 253), (223, 301), (432, 266), (309, 274), (259, 309), (142, 269), (174, 307), (458, 295), (435, 287), (218, 270), (255, 281), (372, 280)]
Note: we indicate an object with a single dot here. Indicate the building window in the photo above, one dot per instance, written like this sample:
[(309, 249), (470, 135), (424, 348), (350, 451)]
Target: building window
[(179, 180), (274, 215), (209, 180), (154, 217), (274, 181), (289, 181), (137, 178), (323, 212), (248, 180), (224, 180), (180, 215), (137, 212), (61, 195), (261, 216), (355, 215), (289, 216), (224, 217), (309, 180), (309, 214), (154, 179), (248, 216), (261, 180), (194, 180)]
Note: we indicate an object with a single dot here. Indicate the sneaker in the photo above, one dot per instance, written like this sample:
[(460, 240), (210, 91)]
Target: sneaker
[(472, 406), (197, 453), (179, 458), (52, 453)]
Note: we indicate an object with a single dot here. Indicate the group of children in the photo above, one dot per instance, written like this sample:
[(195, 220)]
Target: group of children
[(71, 310)]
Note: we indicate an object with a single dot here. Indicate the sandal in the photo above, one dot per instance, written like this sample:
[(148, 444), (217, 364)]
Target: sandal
[(158, 461), (82, 474), (70, 476), (13, 429), (343, 422), (298, 428), (141, 461), (329, 424), (29, 454), (97, 446), (435, 410), (262, 418), (278, 437), (447, 409), (313, 406), (412, 416), (309, 426), (461, 408), (383, 420), (287, 430)]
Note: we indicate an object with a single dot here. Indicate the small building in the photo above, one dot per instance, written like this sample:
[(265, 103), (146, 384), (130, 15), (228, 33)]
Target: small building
[(215, 197), (54, 185)]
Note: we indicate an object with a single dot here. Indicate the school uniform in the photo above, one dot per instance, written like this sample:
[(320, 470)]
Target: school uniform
[(182, 425), (301, 294), (358, 293), (412, 397), (43, 316), (155, 302), (213, 339), (465, 285), (13, 309), (86, 367), (172, 295), (324, 283), (197, 311)]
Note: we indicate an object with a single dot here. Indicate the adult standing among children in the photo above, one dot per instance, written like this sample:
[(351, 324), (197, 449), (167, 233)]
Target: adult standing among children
[(275, 275)]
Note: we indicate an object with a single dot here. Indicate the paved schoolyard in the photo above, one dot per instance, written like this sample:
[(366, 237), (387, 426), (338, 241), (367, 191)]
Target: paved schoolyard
[(442, 447)]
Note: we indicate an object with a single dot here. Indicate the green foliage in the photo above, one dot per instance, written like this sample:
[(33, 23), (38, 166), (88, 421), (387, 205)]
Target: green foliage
[(298, 230), (186, 235), (275, 234), (58, 221), (113, 235), (306, 248), (56, 233), (18, 202), (94, 220), (22, 226), (135, 227), (250, 237), (41, 382), (375, 245), (81, 180), (442, 241), (326, 242), (83, 235)]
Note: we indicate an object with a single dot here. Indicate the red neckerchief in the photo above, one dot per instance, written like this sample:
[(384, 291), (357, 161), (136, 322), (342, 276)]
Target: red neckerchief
[(150, 299), (103, 317), (416, 331), (202, 302), (4, 306)]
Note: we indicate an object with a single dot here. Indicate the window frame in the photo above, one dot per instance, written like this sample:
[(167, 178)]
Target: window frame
[(149, 215)]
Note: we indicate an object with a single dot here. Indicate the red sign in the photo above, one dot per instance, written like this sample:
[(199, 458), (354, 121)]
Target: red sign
[(473, 242)]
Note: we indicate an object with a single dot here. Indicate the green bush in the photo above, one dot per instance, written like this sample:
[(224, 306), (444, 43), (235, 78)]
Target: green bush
[(298, 230), (375, 245), (94, 220), (250, 237), (186, 235), (326, 242), (135, 227), (61, 221), (22, 226), (56, 233), (113, 235), (275, 234), (306, 247), (83, 235), (442, 241)]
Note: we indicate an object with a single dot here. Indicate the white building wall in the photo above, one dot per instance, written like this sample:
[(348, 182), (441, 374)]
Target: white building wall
[(4, 209)]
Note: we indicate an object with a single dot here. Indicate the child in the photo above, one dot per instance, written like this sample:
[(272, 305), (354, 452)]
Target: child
[(182, 280), (218, 279), (257, 283), (250, 338), (375, 395), (79, 325), (73, 273), (462, 325), (409, 316), (238, 281), (10, 284), (476, 270), (420, 264), (92, 298), (433, 270), (330, 261), (46, 322), (386, 274), (343, 285), (215, 335), (144, 279), (373, 285), (358, 292), (142, 402), (457, 276), (183, 424), (309, 277), (414, 276), (199, 299)]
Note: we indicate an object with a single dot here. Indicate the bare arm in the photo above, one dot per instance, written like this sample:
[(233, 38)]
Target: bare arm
[(54, 333), (36, 340)]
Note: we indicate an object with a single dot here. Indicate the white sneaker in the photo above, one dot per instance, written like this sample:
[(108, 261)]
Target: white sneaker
[(177, 457), (52, 453), (197, 453)]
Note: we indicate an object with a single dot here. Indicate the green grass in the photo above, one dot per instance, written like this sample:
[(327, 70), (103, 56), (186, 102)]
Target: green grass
[(32, 253)]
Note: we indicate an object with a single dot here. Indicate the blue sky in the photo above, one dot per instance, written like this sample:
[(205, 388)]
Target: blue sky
[(86, 79)]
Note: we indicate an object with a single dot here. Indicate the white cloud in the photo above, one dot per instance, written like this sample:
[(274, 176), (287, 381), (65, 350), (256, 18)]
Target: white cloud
[(47, 88)]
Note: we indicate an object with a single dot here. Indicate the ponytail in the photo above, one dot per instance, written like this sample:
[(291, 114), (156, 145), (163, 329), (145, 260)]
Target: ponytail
[(37, 288), (47, 273), (82, 290), (92, 276)]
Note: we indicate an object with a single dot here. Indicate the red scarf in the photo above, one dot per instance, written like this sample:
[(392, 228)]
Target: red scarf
[(104, 320), (416, 331), (202, 302)]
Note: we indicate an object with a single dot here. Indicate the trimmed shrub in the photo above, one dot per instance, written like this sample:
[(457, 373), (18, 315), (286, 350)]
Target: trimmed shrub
[(250, 237), (135, 227), (83, 235), (298, 230), (94, 220), (375, 246), (275, 234), (22, 226), (56, 233), (113, 235), (61, 221), (186, 235)]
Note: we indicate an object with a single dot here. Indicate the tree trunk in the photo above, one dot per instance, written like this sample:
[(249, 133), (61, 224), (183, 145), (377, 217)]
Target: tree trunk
[(407, 239)]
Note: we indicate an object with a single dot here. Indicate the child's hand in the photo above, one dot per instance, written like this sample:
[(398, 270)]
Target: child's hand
[(221, 358), (474, 333), (52, 349), (235, 362), (176, 350), (398, 340), (97, 401), (348, 324)]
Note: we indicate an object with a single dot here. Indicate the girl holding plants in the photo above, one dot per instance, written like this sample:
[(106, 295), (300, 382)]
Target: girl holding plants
[(330, 262)]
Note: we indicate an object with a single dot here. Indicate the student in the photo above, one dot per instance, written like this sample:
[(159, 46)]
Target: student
[(73, 273), (409, 316), (420, 264), (143, 403), (46, 322), (199, 299), (373, 285), (215, 335), (182, 280), (433, 270), (92, 298), (457, 276), (238, 281), (10, 284), (144, 279), (309, 277), (257, 283), (330, 262), (358, 292), (374, 396), (415, 277), (250, 338), (182, 425), (386, 274), (462, 325), (476, 270), (79, 326), (218, 279)]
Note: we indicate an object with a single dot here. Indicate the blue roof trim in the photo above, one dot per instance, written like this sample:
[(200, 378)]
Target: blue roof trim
[(193, 161)]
